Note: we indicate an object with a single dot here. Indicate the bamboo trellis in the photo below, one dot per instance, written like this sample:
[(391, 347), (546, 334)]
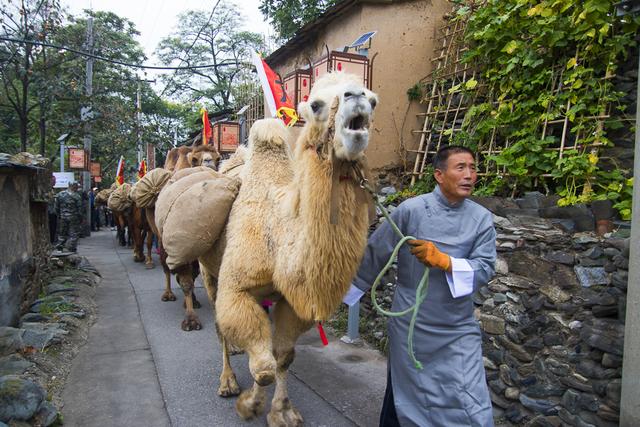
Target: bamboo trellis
[(448, 99)]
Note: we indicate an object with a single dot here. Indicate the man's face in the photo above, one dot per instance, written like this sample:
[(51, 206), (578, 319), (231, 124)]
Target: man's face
[(458, 179)]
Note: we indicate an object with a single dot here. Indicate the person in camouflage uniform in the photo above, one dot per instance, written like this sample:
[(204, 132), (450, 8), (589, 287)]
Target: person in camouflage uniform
[(69, 209)]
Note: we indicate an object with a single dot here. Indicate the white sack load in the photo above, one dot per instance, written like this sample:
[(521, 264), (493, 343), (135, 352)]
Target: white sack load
[(103, 196), (145, 192), (119, 199), (191, 214), (181, 173)]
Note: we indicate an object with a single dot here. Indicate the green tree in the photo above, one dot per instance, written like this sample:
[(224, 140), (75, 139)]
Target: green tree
[(202, 39), (28, 20), (288, 16)]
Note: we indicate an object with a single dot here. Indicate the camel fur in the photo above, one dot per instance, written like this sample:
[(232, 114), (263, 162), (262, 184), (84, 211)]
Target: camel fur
[(280, 241)]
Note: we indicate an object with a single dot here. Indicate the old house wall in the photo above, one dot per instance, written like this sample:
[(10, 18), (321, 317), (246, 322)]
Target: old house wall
[(25, 230), (404, 43)]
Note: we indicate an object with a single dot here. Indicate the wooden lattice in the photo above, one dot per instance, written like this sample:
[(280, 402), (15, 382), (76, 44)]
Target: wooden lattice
[(448, 99)]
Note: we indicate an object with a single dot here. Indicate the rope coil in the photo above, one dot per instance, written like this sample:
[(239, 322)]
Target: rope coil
[(423, 285)]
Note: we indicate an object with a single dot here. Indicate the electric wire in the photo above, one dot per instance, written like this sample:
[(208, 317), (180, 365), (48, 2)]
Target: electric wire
[(115, 61)]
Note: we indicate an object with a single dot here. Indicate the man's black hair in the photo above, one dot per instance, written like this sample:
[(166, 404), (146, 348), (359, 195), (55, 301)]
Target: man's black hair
[(441, 157)]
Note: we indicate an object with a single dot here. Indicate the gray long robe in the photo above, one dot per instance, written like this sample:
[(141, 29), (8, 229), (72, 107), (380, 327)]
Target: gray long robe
[(451, 389)]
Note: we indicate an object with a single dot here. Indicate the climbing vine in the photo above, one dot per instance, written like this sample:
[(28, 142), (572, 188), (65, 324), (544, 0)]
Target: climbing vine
[(542, 61)]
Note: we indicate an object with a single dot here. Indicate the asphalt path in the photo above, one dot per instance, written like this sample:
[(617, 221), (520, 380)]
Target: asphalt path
[(140, 369)]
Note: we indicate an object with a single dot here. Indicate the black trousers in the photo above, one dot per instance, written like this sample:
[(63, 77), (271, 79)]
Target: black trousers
[(388, 416)]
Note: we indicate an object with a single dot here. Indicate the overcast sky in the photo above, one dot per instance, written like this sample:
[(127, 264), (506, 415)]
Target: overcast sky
[(155, 19)]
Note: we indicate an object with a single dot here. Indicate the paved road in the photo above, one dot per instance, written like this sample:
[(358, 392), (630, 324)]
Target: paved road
[(140, 369)]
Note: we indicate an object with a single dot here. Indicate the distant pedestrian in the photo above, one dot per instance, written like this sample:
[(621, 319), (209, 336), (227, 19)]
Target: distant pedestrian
[(95, 217), (69, 211)]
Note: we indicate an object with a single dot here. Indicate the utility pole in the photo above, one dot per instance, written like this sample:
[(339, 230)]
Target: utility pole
[(630, 401), (85, 116), (138, 120), (138, 113)]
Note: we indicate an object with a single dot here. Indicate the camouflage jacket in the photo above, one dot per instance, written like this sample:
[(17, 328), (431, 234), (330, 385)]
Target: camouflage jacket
[(69, 204)]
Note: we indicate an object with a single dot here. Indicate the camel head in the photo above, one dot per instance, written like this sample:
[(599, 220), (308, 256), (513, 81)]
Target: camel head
[(204, 155), (352, 116)]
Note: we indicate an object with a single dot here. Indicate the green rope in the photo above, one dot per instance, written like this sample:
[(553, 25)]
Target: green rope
[(423, 285)]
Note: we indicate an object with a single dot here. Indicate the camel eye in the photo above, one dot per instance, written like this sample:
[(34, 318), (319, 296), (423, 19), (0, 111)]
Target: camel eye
[(316, 106), (373, 103)]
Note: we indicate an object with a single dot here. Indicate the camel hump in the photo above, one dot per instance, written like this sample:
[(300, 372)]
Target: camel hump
[(268, 135)]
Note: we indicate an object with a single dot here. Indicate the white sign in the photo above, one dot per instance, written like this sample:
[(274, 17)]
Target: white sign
[(63, 179)]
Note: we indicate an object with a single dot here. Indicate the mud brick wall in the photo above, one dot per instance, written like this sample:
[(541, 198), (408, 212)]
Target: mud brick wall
[(24, 228)]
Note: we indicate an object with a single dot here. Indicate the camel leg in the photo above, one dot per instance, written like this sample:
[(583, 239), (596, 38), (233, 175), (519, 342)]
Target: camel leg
[(168, 294), (148, 263), (250, 403), (185, 280), (253, 333), (228, 382), (288, 327), (195, 270)]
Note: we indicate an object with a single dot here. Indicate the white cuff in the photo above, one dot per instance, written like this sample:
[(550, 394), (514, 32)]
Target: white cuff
[(353, 295), (460, 279)]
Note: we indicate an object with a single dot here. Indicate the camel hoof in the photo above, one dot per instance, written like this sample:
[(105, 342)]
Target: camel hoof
[(229, 387), (191, 323), (168, 296), (149, 265), (248, 407), (283, 414), (137, 258)]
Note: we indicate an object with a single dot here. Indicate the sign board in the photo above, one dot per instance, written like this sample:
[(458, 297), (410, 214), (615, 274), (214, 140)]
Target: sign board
[(76, 158), (95, 169), (63, 179)]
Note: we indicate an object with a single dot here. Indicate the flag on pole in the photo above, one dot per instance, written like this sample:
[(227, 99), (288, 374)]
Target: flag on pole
[(120, 171), (206, 128), (142, 169), (279, 103)]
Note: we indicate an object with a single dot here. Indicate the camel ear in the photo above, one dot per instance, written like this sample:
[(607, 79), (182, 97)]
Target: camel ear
[(192, 160), (304, 110)]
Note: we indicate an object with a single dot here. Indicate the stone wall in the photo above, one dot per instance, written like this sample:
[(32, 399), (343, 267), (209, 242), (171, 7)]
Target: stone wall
[(25, 183), (553, 323)]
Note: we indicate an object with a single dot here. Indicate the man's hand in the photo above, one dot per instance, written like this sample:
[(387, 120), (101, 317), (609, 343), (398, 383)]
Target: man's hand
[(428, 254)]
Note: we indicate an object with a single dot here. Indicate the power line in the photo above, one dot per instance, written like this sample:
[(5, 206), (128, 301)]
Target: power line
[(115, 61)]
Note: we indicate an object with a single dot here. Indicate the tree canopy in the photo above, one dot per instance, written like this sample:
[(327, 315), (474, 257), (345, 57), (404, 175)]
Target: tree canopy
[(288, 16)]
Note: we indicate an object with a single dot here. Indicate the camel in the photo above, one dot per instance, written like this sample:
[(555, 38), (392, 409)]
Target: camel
[(295, 234), (181, 158), (204, 155)]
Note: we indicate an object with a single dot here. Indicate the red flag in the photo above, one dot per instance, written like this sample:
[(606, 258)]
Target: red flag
[(142, 169), (206, 128), (273, 86), (120, 171)]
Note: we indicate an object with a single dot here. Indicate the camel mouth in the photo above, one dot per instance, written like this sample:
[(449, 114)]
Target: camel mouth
[(359, 122)]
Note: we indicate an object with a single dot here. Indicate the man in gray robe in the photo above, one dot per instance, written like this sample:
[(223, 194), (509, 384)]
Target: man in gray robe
[(457, 242)]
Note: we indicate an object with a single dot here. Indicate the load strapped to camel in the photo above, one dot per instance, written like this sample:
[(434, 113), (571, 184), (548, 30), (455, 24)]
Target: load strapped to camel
[(147, 189), (119, 199), (103, 196), (191, 212)]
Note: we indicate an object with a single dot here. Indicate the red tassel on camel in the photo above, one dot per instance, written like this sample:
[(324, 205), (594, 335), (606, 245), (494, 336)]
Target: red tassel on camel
[(323, 336)]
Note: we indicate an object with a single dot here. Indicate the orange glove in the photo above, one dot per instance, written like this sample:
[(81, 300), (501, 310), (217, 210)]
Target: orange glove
[(428, 254)]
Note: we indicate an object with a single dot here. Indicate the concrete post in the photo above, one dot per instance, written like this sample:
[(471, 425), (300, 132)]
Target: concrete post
[(630, 404), (86, 117)]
